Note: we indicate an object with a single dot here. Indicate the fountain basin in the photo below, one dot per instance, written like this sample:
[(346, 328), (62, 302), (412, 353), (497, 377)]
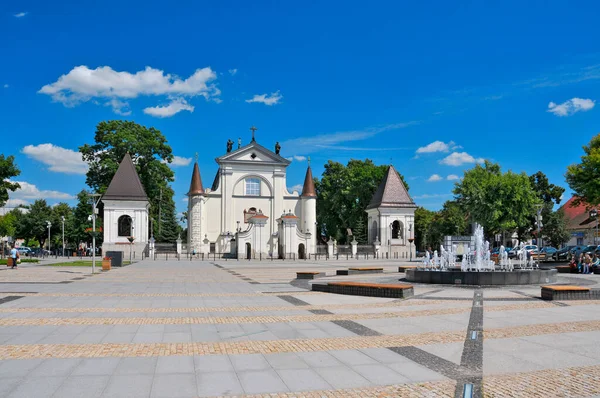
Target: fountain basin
[(483, 278)]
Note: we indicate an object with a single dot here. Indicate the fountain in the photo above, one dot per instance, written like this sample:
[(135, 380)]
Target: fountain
[(477, 267)]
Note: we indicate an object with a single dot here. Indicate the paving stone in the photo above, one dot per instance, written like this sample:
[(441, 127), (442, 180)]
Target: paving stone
[(260, 382), (174, 385), (136, 365), (380, 374), (218, 383), (38, 387), (286, 360), (129, 386), (55, 367), (175, 364), (303, 379), (96, 366), (249, 362), (342, 377)]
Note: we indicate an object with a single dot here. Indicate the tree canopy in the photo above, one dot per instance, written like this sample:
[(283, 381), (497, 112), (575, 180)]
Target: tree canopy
[(150, 153), (8, 169), (498, 201), (584, 177), (343, 194)]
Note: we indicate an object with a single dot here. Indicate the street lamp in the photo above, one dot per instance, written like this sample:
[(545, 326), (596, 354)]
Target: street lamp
[(594, 215), (48, 224), (410, 240), (95, 202), (63, 234)]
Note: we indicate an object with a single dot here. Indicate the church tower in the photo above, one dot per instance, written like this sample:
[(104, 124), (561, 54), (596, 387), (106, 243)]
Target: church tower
[(195, 211), (309, 209)]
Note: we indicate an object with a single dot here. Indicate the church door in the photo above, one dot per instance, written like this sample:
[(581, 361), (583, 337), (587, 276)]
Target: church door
[(248, 251), (301, 252)]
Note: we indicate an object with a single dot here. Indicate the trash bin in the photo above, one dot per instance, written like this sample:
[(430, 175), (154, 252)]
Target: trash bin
[(116, 258)]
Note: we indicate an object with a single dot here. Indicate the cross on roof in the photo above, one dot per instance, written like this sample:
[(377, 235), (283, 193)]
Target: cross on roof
[(253, 130)]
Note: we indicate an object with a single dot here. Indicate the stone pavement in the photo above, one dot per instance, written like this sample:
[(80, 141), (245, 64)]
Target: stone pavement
[(229, 328)]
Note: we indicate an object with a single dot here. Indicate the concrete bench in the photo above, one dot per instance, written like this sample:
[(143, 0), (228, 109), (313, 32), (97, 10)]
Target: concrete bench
[(569, 292), (310, 274), (565, 269), (358, 271), (403, 268), (366, 289)]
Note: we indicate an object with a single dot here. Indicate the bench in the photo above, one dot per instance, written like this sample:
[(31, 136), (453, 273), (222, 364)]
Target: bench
[(403, 268), (366, 289), (309, 274), (569, 292), (564, 269), (358, 271)]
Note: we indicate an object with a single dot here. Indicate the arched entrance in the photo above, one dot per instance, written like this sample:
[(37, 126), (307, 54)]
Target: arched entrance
[(396, 234), (301, 252), (248, 251)]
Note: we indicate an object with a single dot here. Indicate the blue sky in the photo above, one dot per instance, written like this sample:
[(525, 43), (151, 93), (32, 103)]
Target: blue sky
[(433, 86)]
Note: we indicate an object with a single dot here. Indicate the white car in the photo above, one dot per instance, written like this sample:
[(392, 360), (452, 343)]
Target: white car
[(24, 251)]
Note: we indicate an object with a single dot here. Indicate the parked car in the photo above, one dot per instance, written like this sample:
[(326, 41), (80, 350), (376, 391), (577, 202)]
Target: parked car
[(563, 254), (545, 253), (24, 251)]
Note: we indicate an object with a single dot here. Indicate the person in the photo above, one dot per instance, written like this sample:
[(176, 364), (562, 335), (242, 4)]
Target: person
[(580, 263), (573, 265), (14, 255), (587, 260), (595, 263)]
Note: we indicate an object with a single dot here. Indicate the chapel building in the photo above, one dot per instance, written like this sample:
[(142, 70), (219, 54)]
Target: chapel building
[(248, 212)]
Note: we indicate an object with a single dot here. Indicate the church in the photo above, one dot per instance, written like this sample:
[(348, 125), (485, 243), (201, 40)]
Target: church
[(248, 211)]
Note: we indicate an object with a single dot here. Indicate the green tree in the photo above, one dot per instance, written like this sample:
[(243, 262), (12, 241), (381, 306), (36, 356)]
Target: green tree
[(150, 153), (8, 169), (548, 195), (33, 223), (7, 228), (423, 228), (168, 227), (451, 220), (584, 177), (498, 201), (343, 194), (79, 224), (555, 229)]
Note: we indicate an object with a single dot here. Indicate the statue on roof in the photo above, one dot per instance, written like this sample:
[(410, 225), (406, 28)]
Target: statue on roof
[(229, 145), (277, 148)]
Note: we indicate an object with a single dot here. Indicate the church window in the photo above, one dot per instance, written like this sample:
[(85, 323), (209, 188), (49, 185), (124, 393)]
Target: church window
[(252, 187), (124, 226)]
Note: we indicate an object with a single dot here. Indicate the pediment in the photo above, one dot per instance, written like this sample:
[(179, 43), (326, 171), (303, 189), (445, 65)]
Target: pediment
[(253, 153)]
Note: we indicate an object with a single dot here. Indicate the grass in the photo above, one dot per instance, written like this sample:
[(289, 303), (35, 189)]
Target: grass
[(23, 260), (84, 263)]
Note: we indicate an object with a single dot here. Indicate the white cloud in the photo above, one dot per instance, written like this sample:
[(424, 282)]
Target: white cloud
[(438, 146), (434, 178), (176, 106), (30, 191), (60, 160), (186, 199), (21, 14), (179, 161), (119, 107), (325, 141), (82, 84), (298, 158), (233, 72), (266, 99), (295, 188), (6, 86), (452, 177), (571, 106), (459, 158)]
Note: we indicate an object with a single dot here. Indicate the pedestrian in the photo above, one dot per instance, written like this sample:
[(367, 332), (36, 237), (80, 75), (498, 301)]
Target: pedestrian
[(14, 255), (587, 260)]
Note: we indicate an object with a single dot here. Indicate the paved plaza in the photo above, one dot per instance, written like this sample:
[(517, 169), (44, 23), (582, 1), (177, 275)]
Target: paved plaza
[(229, 328)]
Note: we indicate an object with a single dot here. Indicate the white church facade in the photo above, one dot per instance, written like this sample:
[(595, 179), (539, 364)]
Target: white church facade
[(248, 212)]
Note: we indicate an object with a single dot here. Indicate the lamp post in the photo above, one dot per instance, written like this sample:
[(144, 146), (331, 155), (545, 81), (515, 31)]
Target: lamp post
[(410, 240), (63, 234), (95, 202), (594, 215), (48, 224)]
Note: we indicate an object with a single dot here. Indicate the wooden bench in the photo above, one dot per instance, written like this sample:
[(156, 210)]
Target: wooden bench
[(403, 268), (309, 274), (569, 292), (366, 289), (360, 270)]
